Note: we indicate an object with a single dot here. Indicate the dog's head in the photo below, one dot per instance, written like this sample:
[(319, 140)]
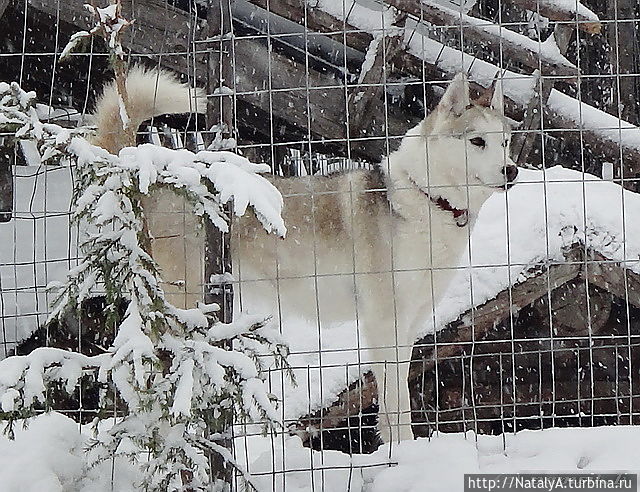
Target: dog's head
[(471, 139)]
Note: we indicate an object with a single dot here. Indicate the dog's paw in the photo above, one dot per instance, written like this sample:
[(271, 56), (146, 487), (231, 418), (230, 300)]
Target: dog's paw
[(395, 433)]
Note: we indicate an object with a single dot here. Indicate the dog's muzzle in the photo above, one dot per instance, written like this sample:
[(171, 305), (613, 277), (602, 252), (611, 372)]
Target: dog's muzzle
[(511, 173)]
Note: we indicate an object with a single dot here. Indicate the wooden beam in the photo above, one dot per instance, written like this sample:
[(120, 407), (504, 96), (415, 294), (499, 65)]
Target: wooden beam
[(267, 80), (623, 51), (3, 6), (557, 123), (408, 63), (563, 12), (360, 396), (612, 277), (510, 44), (161, 30), (451, 341), (317, 20), (363, 100), (477, 322), (523, 141)]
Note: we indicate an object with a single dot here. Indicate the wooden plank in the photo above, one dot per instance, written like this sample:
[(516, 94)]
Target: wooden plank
[(353, 401), (317, 20), (515, 46), (262, 77), (558, 11), (622, 39), (413, 65), (451, 341), (612, 277), (160, 28), (363, 100), (3, 6), (605, 145), (523, 142), (475, 324), (320, 21)]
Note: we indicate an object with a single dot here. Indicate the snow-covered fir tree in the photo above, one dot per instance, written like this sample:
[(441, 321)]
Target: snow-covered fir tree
[(173, 371)]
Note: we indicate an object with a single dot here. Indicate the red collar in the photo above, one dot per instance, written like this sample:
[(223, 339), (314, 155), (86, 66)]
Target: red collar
[(460, 215)]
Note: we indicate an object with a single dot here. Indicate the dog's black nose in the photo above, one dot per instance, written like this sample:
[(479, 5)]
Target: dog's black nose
[(510, 172)]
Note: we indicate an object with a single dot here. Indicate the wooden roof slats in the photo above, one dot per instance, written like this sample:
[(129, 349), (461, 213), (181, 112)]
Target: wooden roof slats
[(475, 324), (570, 12), (162, 30), (501, 40)]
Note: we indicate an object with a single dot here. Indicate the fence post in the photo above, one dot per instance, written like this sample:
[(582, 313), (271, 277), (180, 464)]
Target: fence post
[(219, 120), (6, 187)]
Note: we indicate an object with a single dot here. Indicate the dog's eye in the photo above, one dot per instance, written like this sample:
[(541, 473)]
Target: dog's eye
[(478, 142)]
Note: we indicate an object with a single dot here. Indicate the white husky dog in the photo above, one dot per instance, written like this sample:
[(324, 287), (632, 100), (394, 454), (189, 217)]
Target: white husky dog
[(377, 246)]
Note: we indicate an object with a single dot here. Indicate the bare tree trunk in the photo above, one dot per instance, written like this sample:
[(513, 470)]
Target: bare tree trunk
[(220, 123)]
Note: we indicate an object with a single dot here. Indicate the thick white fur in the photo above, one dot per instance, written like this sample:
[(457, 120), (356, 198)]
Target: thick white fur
[(380, 256), (350, 254), (175, 235), (151, 93)]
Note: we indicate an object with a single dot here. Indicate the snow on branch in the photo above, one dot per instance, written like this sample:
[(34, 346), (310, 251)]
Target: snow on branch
[(110, 25), (176, 371)]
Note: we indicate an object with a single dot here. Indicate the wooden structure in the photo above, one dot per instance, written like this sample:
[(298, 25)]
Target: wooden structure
[(315, 81), (290, 82), (559, 349)]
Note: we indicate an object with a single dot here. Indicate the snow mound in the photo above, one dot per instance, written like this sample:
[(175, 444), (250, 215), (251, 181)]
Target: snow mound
[(546, 212), (439, 464), (52, 449)]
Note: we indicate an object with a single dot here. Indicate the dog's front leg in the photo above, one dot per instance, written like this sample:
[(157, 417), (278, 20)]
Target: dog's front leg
[(390, 355), (391, 370)]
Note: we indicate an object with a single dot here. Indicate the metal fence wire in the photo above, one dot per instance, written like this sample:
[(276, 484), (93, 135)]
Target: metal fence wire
[(539, 325)]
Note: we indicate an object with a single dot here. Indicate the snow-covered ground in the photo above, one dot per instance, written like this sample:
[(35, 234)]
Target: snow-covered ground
[(50, 452)]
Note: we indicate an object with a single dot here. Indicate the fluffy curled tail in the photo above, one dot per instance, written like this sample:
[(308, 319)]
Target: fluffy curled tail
[(150, 93)]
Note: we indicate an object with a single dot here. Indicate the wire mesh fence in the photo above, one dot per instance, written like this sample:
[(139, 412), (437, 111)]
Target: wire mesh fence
[(534, 323)]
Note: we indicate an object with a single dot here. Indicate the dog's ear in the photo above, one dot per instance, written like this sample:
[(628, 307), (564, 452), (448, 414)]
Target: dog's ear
[(497, 99), (492, 97), (456, 97)]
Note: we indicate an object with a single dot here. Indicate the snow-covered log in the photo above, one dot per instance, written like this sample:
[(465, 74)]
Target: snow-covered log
[(327, 107), (500, 39), (564, 10)]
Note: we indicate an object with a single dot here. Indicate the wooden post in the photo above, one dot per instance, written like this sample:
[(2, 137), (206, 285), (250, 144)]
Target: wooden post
[(623, 39), (3, 6), (523, 142), (219, 119), (362, 101), (6, 186)]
